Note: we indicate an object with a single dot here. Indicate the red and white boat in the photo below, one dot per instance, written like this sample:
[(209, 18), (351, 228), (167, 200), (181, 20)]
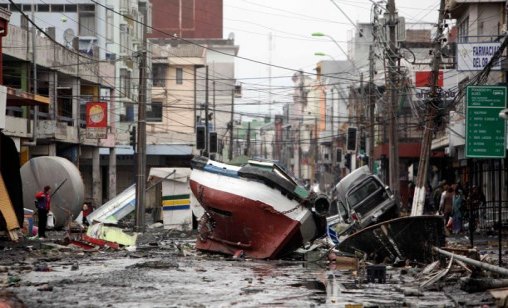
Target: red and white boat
[(257, 210)]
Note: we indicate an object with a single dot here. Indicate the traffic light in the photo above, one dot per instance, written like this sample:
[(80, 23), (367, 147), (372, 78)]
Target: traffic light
[(213, 142), (133, 138), (351, 139), (347, 161), (200, 137), (338, 155)]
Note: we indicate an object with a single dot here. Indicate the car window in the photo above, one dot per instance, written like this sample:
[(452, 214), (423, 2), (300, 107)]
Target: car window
[(342, 208), (333, 210), (364, 190)]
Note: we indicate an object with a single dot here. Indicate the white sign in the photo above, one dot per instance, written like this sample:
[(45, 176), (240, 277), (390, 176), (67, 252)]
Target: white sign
[(96, 133), (475, 56)]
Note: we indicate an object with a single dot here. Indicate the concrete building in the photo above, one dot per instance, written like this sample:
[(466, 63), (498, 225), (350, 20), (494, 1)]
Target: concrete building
[(180, 94), (68, 80), (196, 19), (333, 78), (189, 50), (107, 37), (477, 24)]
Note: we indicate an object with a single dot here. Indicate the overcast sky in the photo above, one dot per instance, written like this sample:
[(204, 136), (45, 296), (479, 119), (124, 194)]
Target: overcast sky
[(291, 23)]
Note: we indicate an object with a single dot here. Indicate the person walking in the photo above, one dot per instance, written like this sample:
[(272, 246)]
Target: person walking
[(43, 205), (457, 209), (87, 209), (446, 205), (428, 207), (437, 193)]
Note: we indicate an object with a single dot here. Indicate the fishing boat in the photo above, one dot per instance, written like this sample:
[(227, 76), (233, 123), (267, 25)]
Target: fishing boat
[(257, 210), (406, 238)]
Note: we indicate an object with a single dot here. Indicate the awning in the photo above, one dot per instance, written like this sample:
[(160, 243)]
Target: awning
[(17, 97), (154, 149)]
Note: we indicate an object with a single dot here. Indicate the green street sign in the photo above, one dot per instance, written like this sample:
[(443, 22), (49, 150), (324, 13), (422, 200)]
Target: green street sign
[(485, 131)]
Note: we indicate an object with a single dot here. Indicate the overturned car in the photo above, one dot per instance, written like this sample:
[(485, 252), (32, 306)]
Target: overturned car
[(361, 199)]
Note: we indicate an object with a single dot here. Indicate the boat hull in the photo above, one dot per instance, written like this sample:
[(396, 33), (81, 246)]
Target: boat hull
[(406, 238), (246, 216)]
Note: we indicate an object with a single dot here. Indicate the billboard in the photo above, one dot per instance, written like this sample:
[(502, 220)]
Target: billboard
[(96, 120), (475, 56), (447, 81)]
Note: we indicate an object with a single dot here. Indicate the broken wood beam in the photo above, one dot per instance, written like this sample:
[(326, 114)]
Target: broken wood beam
[(483, 265)]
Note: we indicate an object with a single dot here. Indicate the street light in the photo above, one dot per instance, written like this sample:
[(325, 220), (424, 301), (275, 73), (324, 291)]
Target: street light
[(322, 54), (320, 34)]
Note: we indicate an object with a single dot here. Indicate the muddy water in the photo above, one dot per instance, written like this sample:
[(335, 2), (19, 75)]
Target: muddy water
[(168, 281), (170, 273)]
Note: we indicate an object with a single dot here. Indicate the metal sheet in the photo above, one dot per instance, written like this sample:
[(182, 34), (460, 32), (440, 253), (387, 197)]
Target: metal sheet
[(51, 170)]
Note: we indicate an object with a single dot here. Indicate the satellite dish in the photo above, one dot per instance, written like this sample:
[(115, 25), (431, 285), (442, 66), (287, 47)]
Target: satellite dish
[(231, 36), (68, 35)]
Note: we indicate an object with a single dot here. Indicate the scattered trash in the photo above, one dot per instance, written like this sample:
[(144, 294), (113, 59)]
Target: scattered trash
[(45, 288), (376, 273), (111, 234), (42, 267)]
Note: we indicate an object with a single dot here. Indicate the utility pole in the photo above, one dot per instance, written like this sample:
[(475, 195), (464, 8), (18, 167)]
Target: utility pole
[(372, 102), (214, 112), (332, 133), (361, 122), (141, 148), (421, 179), (231, 128), (206, 115), (247, 146), (392, 105)]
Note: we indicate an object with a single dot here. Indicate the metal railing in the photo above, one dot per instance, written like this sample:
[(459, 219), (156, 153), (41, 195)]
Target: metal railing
[(487, 217)]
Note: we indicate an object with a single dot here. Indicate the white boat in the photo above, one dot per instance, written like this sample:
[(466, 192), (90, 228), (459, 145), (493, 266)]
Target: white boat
[(257, 210)]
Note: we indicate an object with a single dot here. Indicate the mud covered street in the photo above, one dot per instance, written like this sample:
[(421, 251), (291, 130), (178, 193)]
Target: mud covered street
[(165, 270)]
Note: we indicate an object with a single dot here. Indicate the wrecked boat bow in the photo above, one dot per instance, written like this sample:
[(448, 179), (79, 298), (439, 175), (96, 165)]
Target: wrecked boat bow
[(257, 210)]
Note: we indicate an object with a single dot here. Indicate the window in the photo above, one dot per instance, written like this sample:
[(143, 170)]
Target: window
[(179, 75), (463, 30), (363, 192), (124, 39), (87, 7), (110, 24), (129, 113), (43, 7), (64, 101), (87, 24), (71, 8), (155, 114), (57, 8), (159, 74), (125, 83)]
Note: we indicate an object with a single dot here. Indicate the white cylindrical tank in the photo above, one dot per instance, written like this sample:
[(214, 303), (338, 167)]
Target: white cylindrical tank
[(54, 171)]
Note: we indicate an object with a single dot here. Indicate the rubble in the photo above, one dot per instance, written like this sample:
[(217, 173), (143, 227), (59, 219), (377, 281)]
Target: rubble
[(166, 267)]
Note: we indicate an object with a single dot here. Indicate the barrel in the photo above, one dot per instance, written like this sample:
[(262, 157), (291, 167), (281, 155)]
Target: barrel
[(67, 186)]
